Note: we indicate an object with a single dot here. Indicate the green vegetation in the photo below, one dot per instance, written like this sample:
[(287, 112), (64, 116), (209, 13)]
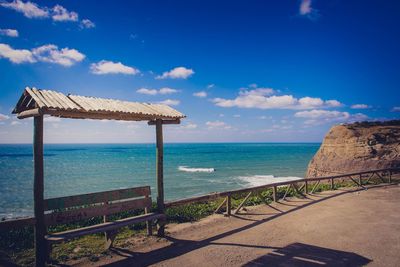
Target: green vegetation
[(17, 245)]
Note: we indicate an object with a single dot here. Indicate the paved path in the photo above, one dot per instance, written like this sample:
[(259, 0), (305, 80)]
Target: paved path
[(346, 227)]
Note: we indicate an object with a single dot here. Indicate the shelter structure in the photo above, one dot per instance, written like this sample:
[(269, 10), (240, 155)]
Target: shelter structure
[(37, 103)]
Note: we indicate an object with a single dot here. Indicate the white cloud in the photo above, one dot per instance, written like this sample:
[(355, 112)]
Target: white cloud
[(16, 55), (396, 109), (3, 117), (167, 90), (333, 103), (87, 24), (109, 67), (189, 126), (217, 125), (307, 10), (200, 94), (360, 106), (210, 86), (317, 117), (310, 102), (29, 9), (162, 91), (46, 53), (9, 32), (50, 53), (15, 123), (236, 116), (146, 91), (170, 102), (177, 73), (257, 91), (262, 98), (305, 7), (322, 114), (60, 13)]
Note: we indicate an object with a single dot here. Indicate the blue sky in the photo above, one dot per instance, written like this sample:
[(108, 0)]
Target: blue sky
[(242, 71)]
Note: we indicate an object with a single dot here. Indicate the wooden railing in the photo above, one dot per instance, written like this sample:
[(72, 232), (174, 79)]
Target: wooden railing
[(356, 177)]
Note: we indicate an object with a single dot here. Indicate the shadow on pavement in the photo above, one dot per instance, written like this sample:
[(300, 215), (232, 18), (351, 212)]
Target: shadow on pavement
[(298, 254)]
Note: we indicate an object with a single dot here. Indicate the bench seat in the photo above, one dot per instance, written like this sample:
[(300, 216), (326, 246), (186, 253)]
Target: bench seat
[(103, 227)]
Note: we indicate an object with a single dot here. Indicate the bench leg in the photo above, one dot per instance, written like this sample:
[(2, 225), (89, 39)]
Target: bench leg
[(149, 227), (161, 227), (110, 236)]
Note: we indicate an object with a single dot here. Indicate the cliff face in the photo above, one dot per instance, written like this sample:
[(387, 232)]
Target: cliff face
[(357, 147)]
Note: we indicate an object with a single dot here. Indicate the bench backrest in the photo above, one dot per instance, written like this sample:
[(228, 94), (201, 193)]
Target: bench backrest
[(79, 207)]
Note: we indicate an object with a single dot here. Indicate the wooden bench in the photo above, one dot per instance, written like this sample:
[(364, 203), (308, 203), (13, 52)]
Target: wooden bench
[(82, 207)]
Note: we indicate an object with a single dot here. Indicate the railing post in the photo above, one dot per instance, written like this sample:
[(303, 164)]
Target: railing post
[(390, 176), (274, 192), (332, 184), (228, 205), (306, 187), (360, 179)]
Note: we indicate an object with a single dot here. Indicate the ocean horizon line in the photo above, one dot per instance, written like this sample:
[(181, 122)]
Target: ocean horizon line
[(148, 143)]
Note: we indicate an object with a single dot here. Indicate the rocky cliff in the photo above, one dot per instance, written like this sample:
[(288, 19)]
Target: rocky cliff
[(357, 147)]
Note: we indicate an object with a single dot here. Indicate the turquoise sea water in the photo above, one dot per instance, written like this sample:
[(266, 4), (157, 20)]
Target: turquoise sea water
[(189, 170)]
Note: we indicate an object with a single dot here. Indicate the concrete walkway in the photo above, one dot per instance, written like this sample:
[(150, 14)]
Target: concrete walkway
[(346, 227)]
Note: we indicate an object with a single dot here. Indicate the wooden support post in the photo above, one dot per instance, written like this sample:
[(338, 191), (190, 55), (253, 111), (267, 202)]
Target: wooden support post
[(220, 205), (360, 179), (369, 178), (315, 186), (243, 202), (332, 184), (306, 187), (38, 191), (294, 185), (301, 187), (356, 182), (228, 205), (380, 177), (390, 176), (109, 235), (287, 191), (274, 193), (160, 175)]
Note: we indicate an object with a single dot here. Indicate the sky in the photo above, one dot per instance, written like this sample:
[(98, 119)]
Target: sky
[(241, 71)]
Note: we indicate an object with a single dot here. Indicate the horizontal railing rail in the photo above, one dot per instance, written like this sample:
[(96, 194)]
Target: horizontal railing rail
[(216, 195), (22, 222)]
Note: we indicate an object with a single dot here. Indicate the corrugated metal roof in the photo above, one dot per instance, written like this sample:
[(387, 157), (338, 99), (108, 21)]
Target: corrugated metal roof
[(75, 106)]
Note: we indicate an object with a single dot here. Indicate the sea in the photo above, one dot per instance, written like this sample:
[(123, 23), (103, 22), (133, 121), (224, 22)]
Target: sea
[(189, 169)]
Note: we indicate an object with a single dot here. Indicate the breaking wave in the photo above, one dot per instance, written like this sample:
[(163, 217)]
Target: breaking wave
[(257, 180), (187, 169)]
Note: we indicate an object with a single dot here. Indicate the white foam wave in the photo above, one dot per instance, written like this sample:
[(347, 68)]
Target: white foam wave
[(257, 180), (187, 169)]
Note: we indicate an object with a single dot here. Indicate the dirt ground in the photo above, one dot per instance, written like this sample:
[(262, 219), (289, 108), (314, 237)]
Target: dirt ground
[(345, 227)]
